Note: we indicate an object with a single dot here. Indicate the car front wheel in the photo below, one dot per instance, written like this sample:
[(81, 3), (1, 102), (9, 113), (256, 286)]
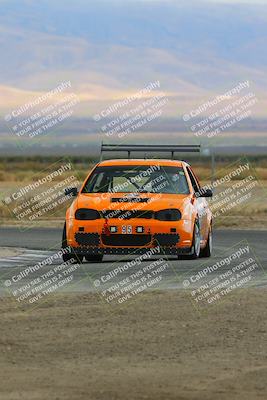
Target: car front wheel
[(195, 250), (206, 252), (67, 256)]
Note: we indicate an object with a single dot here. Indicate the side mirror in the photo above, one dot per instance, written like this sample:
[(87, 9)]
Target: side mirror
[(204, 193), (71, 192)]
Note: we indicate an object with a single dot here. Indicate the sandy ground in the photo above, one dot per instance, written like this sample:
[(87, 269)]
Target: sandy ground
[(157, 347)]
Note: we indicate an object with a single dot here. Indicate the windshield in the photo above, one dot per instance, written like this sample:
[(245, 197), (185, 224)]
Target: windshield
[(137, 178)]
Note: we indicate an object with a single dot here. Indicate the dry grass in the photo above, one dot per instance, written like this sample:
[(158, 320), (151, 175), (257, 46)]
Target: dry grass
[(15, 172), (18, 170)]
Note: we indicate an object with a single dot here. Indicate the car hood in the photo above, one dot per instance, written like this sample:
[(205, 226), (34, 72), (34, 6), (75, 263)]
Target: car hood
[(143, 201)]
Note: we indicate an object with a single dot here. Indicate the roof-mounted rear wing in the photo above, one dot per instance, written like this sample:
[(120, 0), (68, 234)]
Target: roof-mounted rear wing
[(161, 148)]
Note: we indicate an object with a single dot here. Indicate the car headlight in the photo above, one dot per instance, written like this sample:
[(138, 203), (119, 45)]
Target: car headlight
[(87, 214), (170, 214)]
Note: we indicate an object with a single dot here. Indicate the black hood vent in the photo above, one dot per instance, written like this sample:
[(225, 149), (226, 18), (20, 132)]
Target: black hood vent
[(129, 200)]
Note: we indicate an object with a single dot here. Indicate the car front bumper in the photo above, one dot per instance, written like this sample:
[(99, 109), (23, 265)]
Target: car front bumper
[(172, 237)]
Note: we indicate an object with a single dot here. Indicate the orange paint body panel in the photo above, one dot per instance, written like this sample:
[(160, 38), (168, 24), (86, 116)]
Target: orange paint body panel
[(107, 221)]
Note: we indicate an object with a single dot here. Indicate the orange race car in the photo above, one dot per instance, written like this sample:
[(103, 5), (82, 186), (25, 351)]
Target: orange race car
[(128, 206)]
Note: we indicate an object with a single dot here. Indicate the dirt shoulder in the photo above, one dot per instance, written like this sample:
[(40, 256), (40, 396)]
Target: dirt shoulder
[(157, 347)]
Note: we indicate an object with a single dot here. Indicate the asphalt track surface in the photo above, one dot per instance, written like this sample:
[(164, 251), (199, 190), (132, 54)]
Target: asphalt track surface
[(231, 254)]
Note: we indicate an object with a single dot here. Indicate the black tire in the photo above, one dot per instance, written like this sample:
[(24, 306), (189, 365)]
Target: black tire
[(94, 257), (195, 249), (68, 256), (206, 252)]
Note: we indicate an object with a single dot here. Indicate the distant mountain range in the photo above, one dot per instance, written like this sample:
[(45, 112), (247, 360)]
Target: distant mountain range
[(109, 49)]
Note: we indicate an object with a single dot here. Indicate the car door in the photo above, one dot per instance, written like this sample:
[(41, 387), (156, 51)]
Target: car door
[(200, 204)]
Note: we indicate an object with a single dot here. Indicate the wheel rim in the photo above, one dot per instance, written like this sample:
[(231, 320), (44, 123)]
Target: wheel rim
[(197, 240)]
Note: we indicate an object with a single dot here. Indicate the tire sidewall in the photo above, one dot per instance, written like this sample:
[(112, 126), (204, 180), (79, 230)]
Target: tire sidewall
[(196, 241)]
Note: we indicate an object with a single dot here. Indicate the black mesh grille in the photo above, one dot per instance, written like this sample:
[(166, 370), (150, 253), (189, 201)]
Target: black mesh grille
[(87, 239), (126, 240), (166, 239)]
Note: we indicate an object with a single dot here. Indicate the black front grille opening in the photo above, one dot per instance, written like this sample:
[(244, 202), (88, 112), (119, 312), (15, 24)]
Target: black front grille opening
[(166, 239), (126, 240), (87, 239)]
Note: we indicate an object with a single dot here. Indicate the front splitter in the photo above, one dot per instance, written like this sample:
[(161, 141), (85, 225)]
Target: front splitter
[(130, 250)]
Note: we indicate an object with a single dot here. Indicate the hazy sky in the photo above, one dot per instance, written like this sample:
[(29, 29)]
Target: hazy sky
[(159, 1), (240, 1)]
